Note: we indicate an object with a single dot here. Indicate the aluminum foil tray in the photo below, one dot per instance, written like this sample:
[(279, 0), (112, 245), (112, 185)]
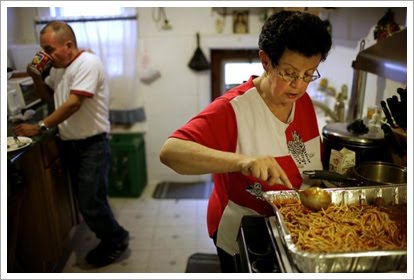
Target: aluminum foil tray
[(364, 261)]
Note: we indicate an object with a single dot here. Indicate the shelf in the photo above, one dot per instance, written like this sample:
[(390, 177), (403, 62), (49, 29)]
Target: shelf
[(387, 58)]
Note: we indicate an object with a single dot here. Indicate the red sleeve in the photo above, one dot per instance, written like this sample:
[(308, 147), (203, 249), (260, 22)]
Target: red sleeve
[(215, 127)]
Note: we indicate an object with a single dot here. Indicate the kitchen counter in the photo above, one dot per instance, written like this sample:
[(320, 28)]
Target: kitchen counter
[(13, 156), (41, 207), (40, 113)]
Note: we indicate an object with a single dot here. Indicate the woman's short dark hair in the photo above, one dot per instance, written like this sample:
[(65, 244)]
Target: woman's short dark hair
[(297, 31)]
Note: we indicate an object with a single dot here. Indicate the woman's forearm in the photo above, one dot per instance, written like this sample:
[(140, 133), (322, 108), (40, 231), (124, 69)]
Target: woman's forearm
[(190, 158)]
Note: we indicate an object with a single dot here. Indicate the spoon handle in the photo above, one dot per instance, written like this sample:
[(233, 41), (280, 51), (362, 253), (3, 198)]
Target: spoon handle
[(325, 175)]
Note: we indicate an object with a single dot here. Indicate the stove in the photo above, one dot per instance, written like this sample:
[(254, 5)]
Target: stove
[(261, 248), (263, 251)]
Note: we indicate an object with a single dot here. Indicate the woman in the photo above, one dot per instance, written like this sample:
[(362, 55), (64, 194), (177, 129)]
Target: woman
[(263, 133)]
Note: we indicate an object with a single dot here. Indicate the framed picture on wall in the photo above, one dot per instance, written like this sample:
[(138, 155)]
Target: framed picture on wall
[(240, 22)]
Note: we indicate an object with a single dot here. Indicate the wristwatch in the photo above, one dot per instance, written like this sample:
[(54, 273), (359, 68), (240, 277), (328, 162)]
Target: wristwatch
[(43, 128)]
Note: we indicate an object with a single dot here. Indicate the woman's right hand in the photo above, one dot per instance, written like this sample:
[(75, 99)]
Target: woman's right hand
[(265, 168), (190, 158)]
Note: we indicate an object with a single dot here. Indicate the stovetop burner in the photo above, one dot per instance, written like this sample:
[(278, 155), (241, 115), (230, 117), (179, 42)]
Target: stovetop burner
[(264, 266), (261, 249)]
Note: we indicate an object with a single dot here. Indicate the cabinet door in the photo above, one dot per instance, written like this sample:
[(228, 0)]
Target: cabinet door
[(60, 202), (47, 212)]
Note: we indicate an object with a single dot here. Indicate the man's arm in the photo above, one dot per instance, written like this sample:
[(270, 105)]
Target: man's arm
[(61, 113), (64, 111), (42, 89)]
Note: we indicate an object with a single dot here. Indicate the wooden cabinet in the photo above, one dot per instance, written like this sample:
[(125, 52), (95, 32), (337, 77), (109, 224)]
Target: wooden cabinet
[(47, 210)]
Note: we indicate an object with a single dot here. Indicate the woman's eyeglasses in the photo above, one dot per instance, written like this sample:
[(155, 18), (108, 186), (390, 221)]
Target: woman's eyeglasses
[(291, 77)]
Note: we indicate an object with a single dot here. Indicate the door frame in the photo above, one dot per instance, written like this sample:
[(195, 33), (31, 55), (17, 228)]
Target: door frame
[(218, 57)]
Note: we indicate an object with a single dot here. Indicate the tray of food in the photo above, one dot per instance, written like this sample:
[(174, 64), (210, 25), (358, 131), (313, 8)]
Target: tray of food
[(363, 230)]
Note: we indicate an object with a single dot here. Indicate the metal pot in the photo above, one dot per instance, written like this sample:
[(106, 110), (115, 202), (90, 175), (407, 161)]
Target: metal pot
[(365, 174), (380, 173)]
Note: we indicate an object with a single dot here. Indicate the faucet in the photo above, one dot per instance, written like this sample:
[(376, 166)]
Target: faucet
[(338, 114), (326, 109)]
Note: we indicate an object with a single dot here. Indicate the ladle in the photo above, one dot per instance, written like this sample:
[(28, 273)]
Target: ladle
[(314, 198)]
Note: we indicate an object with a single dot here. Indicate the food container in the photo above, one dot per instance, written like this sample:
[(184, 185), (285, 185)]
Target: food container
[(380, 173), (369, 146), (359, 261), (370, 173)]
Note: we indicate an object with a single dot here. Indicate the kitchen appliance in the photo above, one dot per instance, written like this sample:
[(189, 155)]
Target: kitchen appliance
[(281, 255), (14, 102), (21, 94), (368, 145), (257, 251)]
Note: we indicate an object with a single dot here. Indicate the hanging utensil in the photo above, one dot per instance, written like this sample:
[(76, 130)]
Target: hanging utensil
[(199, 62)]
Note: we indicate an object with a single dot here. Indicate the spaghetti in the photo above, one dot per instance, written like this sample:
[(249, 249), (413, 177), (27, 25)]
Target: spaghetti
[(342, 228)]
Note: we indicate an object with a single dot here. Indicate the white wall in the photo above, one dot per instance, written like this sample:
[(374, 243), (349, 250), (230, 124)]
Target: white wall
[(180, 93)]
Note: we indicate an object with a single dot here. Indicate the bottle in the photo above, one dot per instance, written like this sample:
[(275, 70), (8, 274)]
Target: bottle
[(321, 90), (339, 108), (375, 120)]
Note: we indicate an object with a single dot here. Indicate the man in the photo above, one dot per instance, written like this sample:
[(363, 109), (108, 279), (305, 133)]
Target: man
[(77, 83)]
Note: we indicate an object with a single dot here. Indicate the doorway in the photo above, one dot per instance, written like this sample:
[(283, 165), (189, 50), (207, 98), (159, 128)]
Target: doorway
[(231, 67)]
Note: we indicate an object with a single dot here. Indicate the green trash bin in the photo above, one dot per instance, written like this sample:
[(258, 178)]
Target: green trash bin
[(128, 173)]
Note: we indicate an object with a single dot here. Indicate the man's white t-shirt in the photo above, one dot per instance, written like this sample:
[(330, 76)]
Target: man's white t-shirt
[(85, 76)]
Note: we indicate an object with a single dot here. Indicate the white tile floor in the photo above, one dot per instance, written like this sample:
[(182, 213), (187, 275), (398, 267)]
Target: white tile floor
[(164, 234)]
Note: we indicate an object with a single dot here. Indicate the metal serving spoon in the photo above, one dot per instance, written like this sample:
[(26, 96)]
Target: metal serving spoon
[(313, 198)]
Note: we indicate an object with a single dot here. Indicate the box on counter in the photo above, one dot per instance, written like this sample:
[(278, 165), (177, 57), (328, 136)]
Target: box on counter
[(341, 161)]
